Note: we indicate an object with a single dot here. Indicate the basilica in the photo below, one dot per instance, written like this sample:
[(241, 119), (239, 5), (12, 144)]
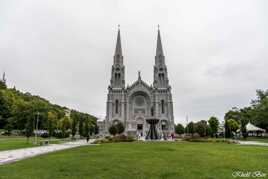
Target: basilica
[(134, 104)]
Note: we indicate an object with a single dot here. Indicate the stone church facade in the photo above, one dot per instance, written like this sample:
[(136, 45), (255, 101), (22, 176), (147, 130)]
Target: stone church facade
[(133, 104)]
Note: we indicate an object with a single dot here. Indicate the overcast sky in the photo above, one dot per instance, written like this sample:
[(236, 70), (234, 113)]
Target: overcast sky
[(216, 51)]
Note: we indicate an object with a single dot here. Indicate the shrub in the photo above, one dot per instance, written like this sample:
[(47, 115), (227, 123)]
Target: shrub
[(112, 130), (212, 140), (120, 128), (119, 138)]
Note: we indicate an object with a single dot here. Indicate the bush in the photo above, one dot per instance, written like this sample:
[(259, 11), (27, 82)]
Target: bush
[(212, 140), (119, 138), (116, 128), (112, 130)]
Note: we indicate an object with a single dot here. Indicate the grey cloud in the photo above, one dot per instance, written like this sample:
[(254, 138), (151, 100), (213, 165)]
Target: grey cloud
[(216, 51)]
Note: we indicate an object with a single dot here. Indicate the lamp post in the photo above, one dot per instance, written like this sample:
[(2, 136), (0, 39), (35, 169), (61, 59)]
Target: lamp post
[(186, 125), (36, 127)]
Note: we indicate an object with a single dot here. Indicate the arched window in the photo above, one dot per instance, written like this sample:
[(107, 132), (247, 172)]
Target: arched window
[(162, 106), (116, 106), (161, 76), (117, 76)]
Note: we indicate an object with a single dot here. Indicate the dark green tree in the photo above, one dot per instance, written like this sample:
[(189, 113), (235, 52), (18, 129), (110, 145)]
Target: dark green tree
[(86, 128), (29, 129), (51, 118), (119, 128), (65, 124), (214, 125), (179, 129), (74, 122), (190, 128), (231, 126), (9, 126), (5, 108), (201, 128), (81, 127), (112, 130), (244, 122)]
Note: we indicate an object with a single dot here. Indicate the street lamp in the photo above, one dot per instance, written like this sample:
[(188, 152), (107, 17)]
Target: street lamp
[(36, 127)]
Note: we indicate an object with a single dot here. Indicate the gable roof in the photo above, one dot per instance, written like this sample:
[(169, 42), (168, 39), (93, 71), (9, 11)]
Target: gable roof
[(251, 128)]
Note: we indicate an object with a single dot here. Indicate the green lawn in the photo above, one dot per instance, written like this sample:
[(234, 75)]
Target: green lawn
[(187, 160), (8, 143)]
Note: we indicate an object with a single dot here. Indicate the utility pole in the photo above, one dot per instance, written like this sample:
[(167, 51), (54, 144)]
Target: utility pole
[(36, 127), (187, 124)]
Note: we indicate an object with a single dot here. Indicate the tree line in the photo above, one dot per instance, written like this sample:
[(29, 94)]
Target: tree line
[(19, 111), (234, 119)]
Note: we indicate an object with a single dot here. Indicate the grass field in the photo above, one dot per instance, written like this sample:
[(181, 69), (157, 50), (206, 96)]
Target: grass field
[(143, 160), (8, 143)]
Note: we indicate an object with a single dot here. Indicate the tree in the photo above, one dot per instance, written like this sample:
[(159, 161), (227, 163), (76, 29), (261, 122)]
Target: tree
[(233, 114), (65, 125), (190, 128), (86, 130), (244, 122), (8, 127), (81, 127), (29, 129), (51, 117), (231, 126), (17, 107), (201, 128), (179, 129), (119, 128), (257, 113), (112, 130), (91, 130), (74, 121), (214, 125), (5, 108)]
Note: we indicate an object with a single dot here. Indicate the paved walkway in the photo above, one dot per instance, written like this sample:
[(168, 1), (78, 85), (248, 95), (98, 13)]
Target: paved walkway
[(252, 143), (19, 154)]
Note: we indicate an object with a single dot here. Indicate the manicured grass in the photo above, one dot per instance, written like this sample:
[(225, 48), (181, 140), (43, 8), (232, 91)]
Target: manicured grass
[(8, 143), (191, 160)]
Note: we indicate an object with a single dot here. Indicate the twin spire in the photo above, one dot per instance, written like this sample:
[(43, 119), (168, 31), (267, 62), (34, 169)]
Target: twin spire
[(159, 49), (118, 48)]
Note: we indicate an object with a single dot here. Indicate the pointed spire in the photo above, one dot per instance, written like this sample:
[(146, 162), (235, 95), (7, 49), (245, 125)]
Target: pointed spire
[(139, 75), (159, 49), (118, 49)]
